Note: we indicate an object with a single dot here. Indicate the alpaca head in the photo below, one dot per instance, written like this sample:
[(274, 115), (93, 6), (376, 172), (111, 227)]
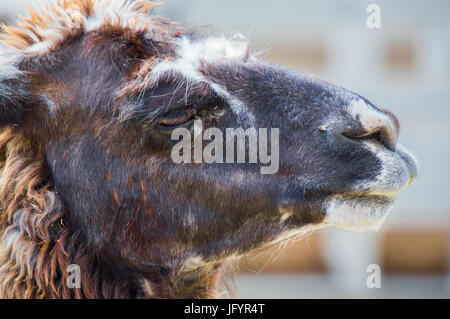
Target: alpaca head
[(91, 89)]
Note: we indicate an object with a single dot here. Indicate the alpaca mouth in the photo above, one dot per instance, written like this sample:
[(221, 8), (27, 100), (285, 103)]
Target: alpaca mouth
[(368, 210), (399, 171), (358, 213)]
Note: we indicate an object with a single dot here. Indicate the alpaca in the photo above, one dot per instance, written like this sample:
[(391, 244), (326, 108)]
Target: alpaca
[(89, 90)]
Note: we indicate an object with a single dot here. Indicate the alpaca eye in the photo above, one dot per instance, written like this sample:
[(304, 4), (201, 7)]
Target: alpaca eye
[(178, 119)]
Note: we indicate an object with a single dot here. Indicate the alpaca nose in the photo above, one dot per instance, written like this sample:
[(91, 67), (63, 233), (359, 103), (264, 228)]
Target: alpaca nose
[(376, 125)]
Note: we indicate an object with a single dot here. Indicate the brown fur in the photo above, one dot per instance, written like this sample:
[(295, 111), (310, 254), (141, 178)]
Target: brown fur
[(35, 263)]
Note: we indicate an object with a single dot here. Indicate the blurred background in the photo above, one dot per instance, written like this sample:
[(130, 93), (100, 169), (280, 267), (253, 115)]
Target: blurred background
[(403, 66)]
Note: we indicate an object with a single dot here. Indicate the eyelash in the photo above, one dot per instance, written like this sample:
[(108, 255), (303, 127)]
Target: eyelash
[(178, 119)]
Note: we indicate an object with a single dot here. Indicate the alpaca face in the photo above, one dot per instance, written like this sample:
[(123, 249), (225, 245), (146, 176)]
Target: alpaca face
[(99, 106)]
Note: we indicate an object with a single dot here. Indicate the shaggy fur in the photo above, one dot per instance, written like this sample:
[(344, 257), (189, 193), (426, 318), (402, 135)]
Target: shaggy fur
[(63, 19), (37, 245)]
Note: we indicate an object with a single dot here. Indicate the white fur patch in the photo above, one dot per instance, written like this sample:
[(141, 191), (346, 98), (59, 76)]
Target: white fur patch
[(220, 49), (190, 55), (395, 174), (15, 240), (212, 49), (120, 13), (285, 213), (355, 214), (369, 117), (190, 220), (365, 113), (51, 38), (10, 237), (147, 287)]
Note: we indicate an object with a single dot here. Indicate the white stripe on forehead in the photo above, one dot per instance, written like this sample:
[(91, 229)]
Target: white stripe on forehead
[(190, 54), (212, 49)]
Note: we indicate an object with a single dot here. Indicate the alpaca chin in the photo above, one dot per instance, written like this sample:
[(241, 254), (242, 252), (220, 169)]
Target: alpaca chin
[(358, 213)]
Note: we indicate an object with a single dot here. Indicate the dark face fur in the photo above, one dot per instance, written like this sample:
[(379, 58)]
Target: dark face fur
[(96, 108)]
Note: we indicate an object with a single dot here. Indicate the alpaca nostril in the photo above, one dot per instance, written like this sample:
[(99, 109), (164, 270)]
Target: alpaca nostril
[(381, 127), (388, 137), (385, 135)]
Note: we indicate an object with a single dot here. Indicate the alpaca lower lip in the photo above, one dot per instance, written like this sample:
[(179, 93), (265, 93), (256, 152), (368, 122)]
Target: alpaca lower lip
[(381, 199), (372, 199), (358, 213)]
